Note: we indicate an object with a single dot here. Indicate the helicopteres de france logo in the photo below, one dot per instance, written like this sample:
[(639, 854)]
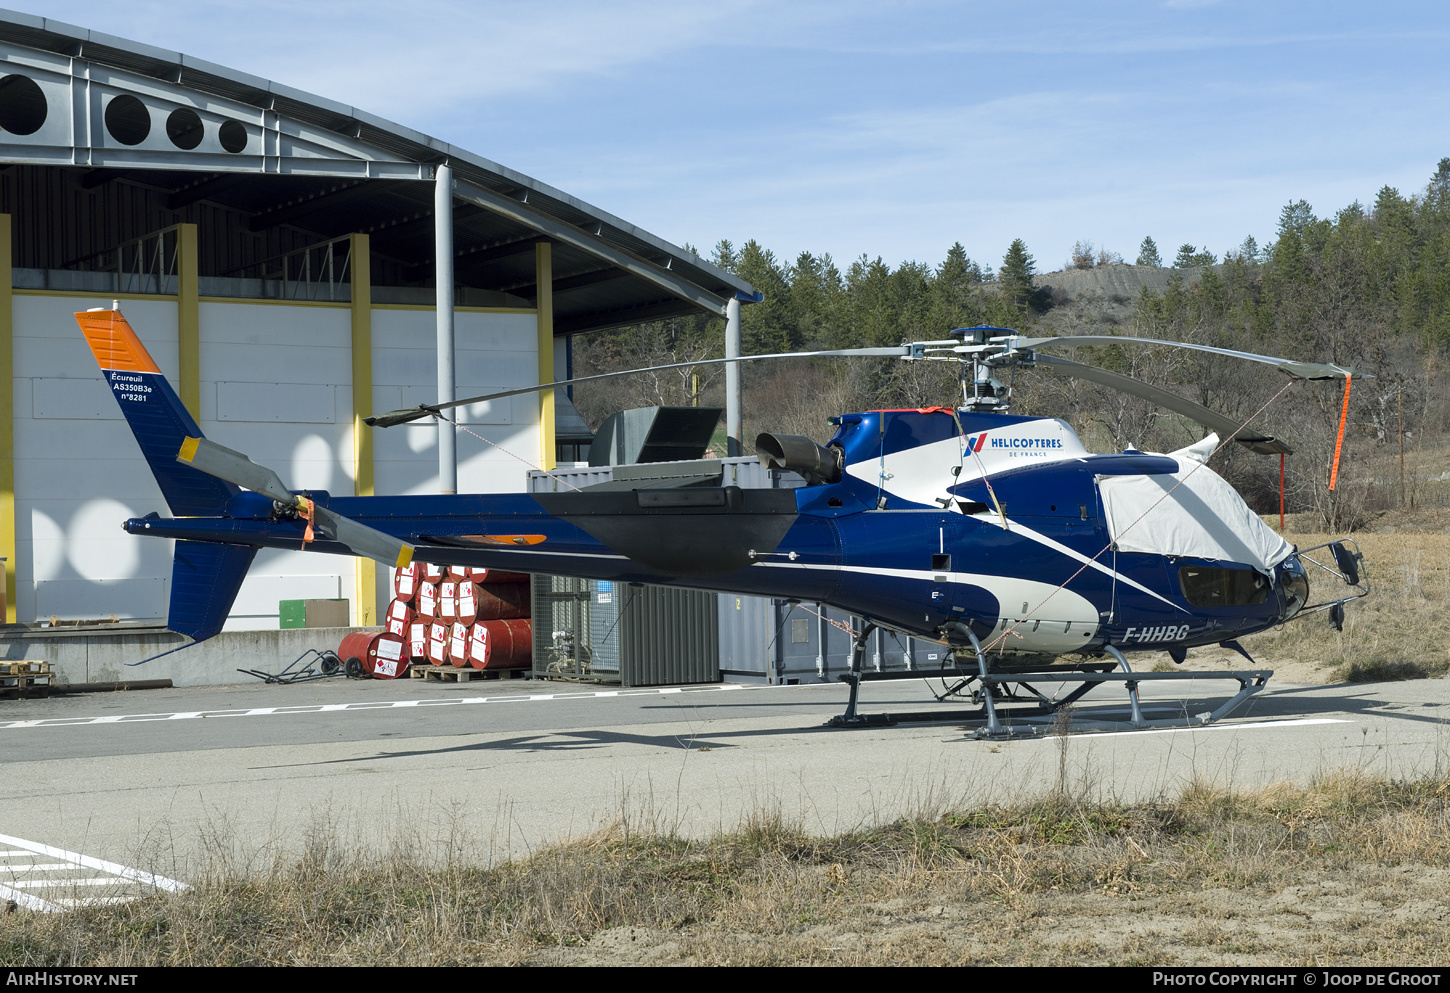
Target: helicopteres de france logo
[(1011, 446)]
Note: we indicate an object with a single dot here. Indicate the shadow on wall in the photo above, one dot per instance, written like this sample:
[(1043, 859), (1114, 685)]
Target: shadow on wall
[(83, 566)]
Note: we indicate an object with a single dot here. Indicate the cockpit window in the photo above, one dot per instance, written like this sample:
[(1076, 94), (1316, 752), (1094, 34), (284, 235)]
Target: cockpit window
[(1214, 586)]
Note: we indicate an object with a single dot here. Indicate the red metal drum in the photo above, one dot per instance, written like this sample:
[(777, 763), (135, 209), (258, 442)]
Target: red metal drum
[(438, 643), (405, 582), (428, 600), (418, 641), (458, 644), (501, 644), (447, 601), (382, 655), (467, 602), (482, 576), (398, 618), (502, 602), (433, 573)]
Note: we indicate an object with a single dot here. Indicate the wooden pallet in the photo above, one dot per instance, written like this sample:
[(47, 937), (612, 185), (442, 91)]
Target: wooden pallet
[(13, 687), (467, 674), (24, 668)]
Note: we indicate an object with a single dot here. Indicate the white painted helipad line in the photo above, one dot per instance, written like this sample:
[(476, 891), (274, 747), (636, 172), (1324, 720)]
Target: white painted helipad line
[(91, 862), (28, 901), (41, 866), (114, 874), (365, 705)]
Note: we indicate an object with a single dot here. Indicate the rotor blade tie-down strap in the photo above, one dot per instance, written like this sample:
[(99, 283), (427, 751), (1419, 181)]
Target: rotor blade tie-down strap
[(308, 514), (1339, 442), (1196, 466), (983, 470), (830, 620), (443, 417)]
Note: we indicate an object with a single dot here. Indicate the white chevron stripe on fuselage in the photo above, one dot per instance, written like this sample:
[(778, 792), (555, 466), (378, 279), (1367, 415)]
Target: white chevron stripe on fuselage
[(924, 473), (1057, 620), (1018, 527)]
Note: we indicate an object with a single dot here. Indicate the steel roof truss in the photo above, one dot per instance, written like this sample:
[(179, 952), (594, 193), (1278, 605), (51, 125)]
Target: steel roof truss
[(575, 238)]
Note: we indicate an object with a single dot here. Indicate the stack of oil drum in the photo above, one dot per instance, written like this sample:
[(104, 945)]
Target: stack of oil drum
[(460, 616)]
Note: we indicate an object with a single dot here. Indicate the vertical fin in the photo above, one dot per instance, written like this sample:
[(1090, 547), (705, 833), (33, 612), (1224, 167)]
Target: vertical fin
[(155, 413), (205, 578)]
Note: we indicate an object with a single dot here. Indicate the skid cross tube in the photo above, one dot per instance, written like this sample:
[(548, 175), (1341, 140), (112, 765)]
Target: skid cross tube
[(1250, 681), (1089, 677)]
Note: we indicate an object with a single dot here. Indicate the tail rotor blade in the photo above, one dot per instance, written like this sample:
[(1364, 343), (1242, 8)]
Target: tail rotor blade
[(223, 463), (365, 541)]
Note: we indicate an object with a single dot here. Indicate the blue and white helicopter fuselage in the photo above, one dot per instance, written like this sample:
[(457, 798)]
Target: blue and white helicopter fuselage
[(947, 524)]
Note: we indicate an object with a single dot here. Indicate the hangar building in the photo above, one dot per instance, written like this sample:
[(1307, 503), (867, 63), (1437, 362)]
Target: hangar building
[(276, 252)]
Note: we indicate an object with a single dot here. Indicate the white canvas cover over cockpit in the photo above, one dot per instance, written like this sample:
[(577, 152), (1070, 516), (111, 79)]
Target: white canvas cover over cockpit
[(1192, 513)]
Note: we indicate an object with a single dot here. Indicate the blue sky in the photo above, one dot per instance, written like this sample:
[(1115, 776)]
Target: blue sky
[(885, 128)]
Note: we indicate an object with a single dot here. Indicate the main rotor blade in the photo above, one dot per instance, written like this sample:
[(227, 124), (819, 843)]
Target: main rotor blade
[(224, 463), (1214, 421), (1299, 370), (395, 417)]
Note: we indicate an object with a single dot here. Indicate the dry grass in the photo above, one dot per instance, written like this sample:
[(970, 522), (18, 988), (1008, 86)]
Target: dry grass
[(1347, 870)]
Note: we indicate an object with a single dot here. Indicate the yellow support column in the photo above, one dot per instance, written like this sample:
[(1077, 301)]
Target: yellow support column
[(188, 319), (7, 408), (360, 264), (544, 280)]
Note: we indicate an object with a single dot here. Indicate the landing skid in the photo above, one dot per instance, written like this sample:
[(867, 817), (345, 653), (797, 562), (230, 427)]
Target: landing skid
[(999, 685)]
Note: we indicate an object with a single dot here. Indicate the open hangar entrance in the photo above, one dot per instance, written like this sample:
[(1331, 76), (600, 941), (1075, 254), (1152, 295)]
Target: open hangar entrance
[(279, 255)]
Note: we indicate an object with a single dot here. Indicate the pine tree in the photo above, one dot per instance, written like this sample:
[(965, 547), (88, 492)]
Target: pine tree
[(724, 256), (1016, 275), (1437, 194), (1148, 253), (1185, 257), (958, 270), (1295, 217), (766, 326)]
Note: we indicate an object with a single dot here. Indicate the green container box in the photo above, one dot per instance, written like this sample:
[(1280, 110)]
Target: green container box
[(292, 614), (314, 613)]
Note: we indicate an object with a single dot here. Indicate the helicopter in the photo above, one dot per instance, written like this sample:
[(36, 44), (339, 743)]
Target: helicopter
[(997, 535)]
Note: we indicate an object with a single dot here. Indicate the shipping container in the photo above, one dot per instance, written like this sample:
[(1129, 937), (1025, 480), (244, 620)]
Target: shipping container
[(598, 631)]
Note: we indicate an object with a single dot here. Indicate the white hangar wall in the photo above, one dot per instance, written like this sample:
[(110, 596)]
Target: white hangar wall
[(276, 382), (494, 350)]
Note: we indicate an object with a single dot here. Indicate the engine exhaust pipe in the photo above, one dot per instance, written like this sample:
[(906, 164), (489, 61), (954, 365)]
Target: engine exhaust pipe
[(800, 454)]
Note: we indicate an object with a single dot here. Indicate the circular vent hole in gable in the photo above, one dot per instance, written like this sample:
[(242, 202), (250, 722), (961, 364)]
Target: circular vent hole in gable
[(128, 120), (184, 128), (233, 136), (22, 105)]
